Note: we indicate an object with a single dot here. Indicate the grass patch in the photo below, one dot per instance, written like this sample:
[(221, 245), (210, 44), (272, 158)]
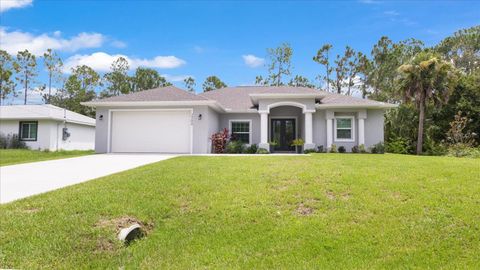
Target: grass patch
[(286, 212), (17, 156)]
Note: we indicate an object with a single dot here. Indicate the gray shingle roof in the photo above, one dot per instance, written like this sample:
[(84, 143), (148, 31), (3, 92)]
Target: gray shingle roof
[(237, 99), (168, 93)]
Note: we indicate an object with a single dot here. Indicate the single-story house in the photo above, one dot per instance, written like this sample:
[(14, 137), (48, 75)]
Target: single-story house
[(172, 120), (48, 127)]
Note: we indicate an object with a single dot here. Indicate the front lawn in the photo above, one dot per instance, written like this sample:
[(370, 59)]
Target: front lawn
[(322, 211), (16, 156)]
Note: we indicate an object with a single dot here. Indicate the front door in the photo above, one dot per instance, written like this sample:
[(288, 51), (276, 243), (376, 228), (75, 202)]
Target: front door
[(283, 133)]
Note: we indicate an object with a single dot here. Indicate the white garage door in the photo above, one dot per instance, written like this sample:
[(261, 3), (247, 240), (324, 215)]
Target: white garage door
[(151, 131)]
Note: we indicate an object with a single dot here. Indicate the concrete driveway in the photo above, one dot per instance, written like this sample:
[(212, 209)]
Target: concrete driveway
[(23, 180)]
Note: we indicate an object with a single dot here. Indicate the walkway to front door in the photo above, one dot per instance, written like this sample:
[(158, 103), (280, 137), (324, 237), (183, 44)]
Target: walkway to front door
[(283, 132)]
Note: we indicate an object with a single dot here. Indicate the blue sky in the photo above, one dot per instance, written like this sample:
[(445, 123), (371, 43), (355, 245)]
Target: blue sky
[(211, 38)]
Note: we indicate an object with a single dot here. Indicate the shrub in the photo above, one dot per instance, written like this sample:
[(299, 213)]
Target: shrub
[(378, 148), (235, 147), (252, 149), (398, 145), (355, 149), (320, 149), (342, 149), (262, 151), (11, 142), (361, 148), (219, 141), (333, 148), (463, 150), (309, 151)]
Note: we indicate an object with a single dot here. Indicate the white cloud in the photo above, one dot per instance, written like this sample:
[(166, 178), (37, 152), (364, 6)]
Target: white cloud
[(176, 78), (101, 61), (252, 60), (15, 41), (9, 4)]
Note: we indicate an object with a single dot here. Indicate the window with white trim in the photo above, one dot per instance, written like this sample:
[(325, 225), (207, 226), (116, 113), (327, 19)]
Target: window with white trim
[(241, 131), (28, 131), (344, 128)]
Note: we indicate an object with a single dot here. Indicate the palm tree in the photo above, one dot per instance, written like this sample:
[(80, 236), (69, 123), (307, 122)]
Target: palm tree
[(426, 78)]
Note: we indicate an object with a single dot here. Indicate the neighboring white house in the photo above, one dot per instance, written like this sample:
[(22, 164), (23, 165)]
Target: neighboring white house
[(48, 127), (172, 120)]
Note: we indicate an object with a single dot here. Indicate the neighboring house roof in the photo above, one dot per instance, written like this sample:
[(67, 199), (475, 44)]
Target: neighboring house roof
[(43, 112), (235, 99)]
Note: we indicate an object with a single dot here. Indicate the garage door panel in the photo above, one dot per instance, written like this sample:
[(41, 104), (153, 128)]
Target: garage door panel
[(151, 131)]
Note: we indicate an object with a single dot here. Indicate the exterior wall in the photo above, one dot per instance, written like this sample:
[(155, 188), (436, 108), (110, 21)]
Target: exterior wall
[(10, 127), (319, 129), (254, 117), (201, 127), (49, 135), (213, 119), (374, 127), (82, 137)]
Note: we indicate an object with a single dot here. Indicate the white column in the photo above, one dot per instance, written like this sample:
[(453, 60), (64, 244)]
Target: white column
[(329, 115), (264, 130), (329, 133), (308, 131), (308, 128), (361, 131), (362, 115)]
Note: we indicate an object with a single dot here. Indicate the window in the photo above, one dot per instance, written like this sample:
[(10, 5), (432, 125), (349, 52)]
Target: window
[(240, 130), (344, 128), (28, 131)]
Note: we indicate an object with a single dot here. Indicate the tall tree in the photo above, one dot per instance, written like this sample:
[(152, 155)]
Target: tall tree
[(26, 68), (323, 58), (351, 69), (79, 87), (7, 86), (54, 64), (212, 83), (118, 81), (424, 79), (300, 81), (340, 73), (387, 56), (279, 65), (364, 68), (147, 78), (190, 84), (463, 49)]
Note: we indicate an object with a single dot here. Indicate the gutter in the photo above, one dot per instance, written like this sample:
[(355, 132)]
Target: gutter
[(363, 106)]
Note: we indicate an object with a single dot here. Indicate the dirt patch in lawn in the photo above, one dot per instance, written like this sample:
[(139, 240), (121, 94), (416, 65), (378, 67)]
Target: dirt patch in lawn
[(333, 196), (304, 210), (123, 222)]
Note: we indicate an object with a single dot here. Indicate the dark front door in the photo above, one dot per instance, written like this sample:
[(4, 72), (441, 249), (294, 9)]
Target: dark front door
[(283, 133)]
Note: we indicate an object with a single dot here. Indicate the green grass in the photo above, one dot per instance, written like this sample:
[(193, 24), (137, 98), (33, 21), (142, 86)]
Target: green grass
[(16, 156), (322, 211)]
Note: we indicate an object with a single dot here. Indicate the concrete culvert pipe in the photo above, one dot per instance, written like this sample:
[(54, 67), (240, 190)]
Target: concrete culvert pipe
[(131, 233)]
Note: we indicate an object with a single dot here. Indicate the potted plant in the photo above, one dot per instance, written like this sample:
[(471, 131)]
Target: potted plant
[(272, 145), (298, 143)]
